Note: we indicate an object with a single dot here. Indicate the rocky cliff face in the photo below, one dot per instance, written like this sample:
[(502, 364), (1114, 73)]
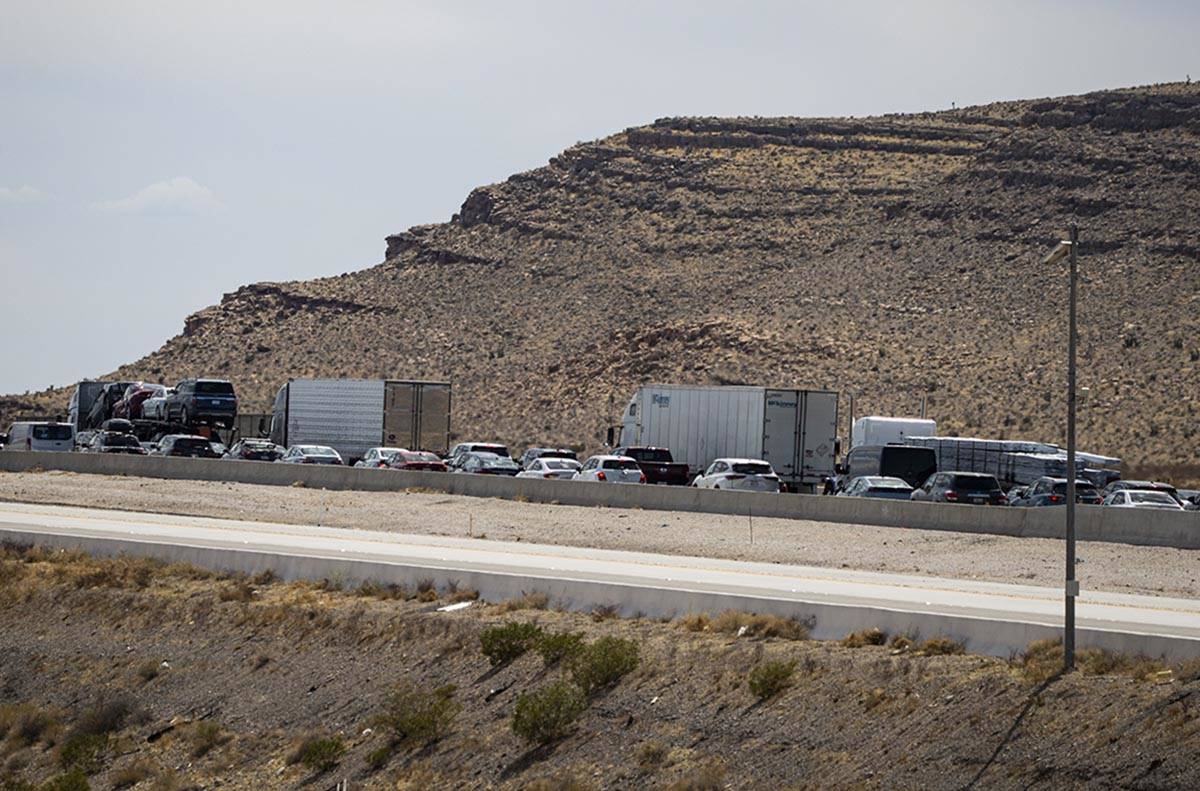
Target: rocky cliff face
[(892, 258)]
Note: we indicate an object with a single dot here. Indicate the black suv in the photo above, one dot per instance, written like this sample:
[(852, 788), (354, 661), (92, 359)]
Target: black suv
[(115, 442), (185, 445), (106, 399), (197, 401), (973, 488)]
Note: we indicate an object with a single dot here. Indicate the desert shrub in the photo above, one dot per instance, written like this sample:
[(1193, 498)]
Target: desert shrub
[(864, 637), (696, 622), (318, 753), (1099, 662), (901, 643), (74, 780), (426, 590), (1040, 660), (206, 737), (605, 612), (84, 751), (265, 577), (132, 774), (502, 644), (770, 678), (462, 594), (602, 663), (554, 647), (546, 715), (651, 755), (709, 777), (239, 591), (756, 625), (25, 724), (942, 646), (10, 782), (526, 601), (106, 715), (148, 671), (414, 714)]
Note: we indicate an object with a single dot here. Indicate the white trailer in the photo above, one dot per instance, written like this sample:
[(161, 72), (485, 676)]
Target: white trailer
[(877, 430), (794, 430), (354, 415)]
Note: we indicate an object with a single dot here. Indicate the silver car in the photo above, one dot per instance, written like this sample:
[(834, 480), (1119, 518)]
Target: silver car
[(155, 407), (610, 469), (379, 457), (1142, 498), (563, 469), (747, 475)]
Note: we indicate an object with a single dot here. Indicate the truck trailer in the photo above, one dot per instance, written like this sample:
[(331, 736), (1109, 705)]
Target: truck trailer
[(353, 415), (794, 430), (80, 405), (878, 430)]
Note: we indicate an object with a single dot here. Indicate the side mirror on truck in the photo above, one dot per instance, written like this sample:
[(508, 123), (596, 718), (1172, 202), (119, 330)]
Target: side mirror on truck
[(608, 442)]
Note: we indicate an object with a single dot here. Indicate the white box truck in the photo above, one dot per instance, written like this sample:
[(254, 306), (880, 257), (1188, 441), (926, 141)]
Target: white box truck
[(878, 430), (794, 430), (353, 415)]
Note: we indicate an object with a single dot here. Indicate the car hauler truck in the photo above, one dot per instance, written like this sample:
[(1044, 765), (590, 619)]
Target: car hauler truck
[(353, 415), (794, 430)]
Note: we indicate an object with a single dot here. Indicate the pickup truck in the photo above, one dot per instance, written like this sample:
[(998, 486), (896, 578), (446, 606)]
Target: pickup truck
[(658, 465)]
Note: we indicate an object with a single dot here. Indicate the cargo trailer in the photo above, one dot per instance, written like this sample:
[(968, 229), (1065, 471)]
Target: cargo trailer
[(878, 430), (354, 415), (81, 402), (794, 430)]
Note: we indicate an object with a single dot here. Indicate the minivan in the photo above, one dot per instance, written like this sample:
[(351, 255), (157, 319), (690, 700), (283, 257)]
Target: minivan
[(31, 435), (911, 464)]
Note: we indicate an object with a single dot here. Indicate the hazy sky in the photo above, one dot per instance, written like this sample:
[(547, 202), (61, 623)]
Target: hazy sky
[(155, 155)]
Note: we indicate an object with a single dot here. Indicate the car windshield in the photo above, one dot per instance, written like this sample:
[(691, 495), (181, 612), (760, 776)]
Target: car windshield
[(258, 444), (653, 455), (52, 432), (193, 443), (751, 468), (214, 388), (491, 460), (882, 484), (620, 464), (317, 450), (561, 464), (499, 450), (1081, 487), (1156, 498), (975, 483)]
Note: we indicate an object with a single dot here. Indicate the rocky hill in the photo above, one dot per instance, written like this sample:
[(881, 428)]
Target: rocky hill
[(890, 258)]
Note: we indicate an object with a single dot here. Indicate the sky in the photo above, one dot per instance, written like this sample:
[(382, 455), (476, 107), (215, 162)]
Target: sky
[(156, 155)]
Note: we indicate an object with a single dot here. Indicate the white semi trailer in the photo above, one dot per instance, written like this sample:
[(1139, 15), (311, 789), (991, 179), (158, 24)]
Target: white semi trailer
[(354, 415), (794, 430)]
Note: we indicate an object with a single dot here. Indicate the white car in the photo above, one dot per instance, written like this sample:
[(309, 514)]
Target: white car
[(610, 469), (311, 454), (1142, 498), (564, 469), (379, 457), (747, 475), (155, 407)]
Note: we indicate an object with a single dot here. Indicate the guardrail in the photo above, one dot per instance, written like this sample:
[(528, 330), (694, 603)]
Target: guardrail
[(1093, 523)]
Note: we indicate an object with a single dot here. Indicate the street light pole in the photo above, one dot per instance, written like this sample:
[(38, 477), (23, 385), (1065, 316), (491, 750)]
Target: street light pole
[(1072, 585)]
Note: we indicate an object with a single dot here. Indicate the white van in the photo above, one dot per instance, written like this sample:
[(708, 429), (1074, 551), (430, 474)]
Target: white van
[(41, 436)]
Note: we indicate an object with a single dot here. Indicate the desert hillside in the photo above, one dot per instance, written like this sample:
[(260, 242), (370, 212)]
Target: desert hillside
[(889, 257)]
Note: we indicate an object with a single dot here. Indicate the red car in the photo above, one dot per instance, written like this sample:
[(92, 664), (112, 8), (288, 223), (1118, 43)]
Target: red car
[(130, 405), (418, 460)]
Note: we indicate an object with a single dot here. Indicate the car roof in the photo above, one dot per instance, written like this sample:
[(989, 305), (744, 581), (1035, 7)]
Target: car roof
[(877, 479), (728, 460), (611, 457)]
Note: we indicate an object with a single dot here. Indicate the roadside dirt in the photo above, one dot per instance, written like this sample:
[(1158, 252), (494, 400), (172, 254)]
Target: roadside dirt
[(1032, 561), (198, 681)]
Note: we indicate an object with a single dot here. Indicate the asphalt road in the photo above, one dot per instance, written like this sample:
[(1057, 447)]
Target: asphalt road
[(991, 617)]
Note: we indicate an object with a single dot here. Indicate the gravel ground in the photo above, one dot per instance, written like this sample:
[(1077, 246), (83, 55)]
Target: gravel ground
[(1032, 561)]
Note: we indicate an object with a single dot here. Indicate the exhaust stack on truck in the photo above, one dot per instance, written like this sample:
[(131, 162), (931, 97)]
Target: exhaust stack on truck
[(794, 430)]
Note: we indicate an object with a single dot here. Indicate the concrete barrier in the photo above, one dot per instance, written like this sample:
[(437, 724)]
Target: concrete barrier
[(1127, 526)]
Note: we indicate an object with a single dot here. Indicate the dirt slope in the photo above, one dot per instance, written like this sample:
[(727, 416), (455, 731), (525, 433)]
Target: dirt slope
[(889, 257), (168, 678)]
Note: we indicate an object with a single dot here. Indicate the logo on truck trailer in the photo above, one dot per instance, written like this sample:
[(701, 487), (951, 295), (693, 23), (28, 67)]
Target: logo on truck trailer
[(658, 399), (784, 404)]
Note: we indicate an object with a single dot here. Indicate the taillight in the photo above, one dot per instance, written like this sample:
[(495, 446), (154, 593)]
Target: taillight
[(383, 464), (952, 495), (1003, 499), (600, 476), (642, 478), (1056, 498)]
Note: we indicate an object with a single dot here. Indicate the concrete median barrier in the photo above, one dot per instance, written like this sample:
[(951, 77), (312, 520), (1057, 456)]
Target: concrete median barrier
[(1127, 526)]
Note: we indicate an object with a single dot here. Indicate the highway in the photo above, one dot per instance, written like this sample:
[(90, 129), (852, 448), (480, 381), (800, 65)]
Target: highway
[(992, 618)]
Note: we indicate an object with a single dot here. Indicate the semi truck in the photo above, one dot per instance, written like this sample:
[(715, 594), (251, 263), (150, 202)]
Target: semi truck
[(82, 399), (878, 430), (795, 430), (354, 415)]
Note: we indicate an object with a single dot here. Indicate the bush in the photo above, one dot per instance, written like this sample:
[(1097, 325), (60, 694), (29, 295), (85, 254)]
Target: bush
[(132, 774), (74, 780), (527, 601), (148, 671), (770, 678), (864, 637), (25, 724), (503, 644), (709, 777), (756, 625), (557, 646), (417, 715), (206, 737), (106, 715), (84, 751), (602, 663), (546, 715), (695, 622), (651, 755), (942, 646), (319, 754)]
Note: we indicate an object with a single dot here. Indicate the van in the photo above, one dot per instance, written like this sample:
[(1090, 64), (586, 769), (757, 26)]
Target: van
[(28, 435), (911, 464)]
